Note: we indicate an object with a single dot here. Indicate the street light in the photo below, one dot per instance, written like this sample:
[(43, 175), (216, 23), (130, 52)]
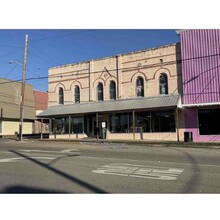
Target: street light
[(22, 88)]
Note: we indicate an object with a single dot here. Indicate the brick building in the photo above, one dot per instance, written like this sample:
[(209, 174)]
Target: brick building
[(127, 96)]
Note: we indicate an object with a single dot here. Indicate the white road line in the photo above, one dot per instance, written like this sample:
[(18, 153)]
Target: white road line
[(47, 151), (148, 161), (14, 159)]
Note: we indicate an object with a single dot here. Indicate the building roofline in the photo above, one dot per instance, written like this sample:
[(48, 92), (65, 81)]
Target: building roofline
[(117, 55), (181, 30), (15, 81)]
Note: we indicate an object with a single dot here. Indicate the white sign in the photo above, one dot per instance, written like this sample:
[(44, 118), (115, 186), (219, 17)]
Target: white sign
[(103, 124)]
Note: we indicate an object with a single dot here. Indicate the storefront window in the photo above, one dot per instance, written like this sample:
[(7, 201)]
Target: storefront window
[(0, 127), (119, 123), (209, 121), (163, 121), (64, 126), (143, 121), (60, 126), (77, 125)]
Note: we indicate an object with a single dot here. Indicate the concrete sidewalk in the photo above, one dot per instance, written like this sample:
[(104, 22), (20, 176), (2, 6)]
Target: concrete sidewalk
[(215, 145)]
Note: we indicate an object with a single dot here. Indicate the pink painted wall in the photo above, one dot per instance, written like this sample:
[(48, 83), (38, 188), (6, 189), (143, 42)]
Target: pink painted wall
[(200, 54), (191, 125)]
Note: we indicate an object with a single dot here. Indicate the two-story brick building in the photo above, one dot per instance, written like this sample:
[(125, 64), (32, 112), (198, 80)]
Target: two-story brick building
[(127, 96)]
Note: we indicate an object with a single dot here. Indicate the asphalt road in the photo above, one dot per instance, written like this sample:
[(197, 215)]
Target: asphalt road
[(65, 167)]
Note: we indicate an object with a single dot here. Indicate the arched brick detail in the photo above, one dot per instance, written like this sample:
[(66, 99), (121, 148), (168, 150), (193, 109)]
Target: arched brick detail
[(161, 70), (138, 74), (58, 86), (74, 83)]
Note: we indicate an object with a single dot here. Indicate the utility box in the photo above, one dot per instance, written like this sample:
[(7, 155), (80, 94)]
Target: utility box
[(188, 137)]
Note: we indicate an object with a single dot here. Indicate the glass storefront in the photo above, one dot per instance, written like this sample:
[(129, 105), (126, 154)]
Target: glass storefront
[(209, 121), (158, 121), (148, 121), (63, 126)]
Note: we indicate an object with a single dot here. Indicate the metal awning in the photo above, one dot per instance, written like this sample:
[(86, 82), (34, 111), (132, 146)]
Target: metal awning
[(112, 105)]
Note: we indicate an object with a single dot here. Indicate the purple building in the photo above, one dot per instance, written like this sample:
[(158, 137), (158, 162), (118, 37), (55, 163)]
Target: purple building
[(200, 56)]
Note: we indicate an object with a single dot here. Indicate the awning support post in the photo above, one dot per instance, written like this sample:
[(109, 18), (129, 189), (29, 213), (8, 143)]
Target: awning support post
[(41, 128), (133, 116)]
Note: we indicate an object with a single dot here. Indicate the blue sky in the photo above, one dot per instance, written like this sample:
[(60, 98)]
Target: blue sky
[(48, 48)]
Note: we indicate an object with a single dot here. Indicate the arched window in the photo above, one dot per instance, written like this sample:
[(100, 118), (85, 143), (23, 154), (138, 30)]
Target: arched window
[(140, 87), (77, 94), (112, 90), (61, 98), (163, 84), (100, 92)]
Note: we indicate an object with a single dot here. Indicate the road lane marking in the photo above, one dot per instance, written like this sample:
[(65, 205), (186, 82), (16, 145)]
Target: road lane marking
[(48, 151), (14, 159), (140, 171), (148, 161)]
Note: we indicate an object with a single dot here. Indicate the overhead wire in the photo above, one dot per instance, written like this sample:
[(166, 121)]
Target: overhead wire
[(60, 35), (110, 70)]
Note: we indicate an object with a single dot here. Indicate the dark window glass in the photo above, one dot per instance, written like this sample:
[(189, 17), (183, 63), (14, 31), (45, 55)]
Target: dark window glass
[(155, 121), (100, 92), (143, 121), (140, 87), (209, 121), (77, 125), (0, 127), (163, 121), (77, 94), (61, 98), (119, 123), (112, 90), (163, 84), (60, 126)]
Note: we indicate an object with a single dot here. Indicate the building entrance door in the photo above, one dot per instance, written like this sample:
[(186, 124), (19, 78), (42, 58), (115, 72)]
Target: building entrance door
[(88, 125)]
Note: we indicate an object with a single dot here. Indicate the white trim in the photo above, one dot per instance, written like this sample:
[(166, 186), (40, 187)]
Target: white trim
[(201, 104)]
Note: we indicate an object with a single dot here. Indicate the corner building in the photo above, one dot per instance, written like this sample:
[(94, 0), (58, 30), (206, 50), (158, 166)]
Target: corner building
[(200, 49), (133, 96)]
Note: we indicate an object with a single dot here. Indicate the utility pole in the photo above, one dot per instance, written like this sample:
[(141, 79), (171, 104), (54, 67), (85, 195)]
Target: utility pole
[(23, 89)]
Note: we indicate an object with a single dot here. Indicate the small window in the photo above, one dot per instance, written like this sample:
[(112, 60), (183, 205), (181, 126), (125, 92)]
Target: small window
[(100, 92), (163, 84), (77, 94), (140, 87), (61, 98), (112, 89)]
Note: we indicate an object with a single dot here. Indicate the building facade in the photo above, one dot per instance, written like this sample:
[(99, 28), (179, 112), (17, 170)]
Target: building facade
[(200, 50), (128, 96), (10, 98), (41, 104)]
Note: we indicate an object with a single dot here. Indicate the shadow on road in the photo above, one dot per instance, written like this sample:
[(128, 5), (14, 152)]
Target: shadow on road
[(30, 190), (194, 179), (63, 174)]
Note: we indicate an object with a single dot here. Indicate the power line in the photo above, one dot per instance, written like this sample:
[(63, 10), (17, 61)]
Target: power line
[(61, 35), (110, 70)]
